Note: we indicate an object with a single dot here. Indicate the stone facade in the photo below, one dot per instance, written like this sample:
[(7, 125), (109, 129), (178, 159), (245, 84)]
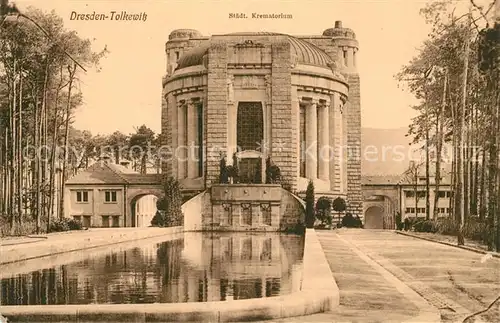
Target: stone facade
[(299, 97)]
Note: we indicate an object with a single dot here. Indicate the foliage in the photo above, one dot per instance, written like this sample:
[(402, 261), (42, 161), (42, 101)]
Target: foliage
[(274, 174), (310, 216), (232, 172), (258, 174), (339, 205), (141, 145), (424, 226), (169, 207), (399, 223), (474, 229), (38, 69), (349, 221), (268, 165), (455, 78), (323, 210), (223, 175), (64, 224)]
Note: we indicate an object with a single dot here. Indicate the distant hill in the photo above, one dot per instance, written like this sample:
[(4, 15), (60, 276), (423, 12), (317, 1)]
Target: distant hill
[(387, 151), (379, 151)]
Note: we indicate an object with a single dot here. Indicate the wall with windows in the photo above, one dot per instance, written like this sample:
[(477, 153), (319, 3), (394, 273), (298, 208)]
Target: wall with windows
[(411, 208), (98, 206)]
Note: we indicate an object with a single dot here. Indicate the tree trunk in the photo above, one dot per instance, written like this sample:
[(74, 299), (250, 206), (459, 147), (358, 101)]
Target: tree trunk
[(462, 136), (20, 153), (13, 154), (66, 139), (427, 168), (439, 147)]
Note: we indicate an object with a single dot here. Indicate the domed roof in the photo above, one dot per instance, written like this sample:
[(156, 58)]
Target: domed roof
[(305, 52)]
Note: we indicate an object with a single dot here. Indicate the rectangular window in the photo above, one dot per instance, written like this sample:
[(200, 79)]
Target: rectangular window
[(421, 194), (442, 194), (448, 194), (410, 194), (421, 210), (110, 196), (346, 59), (105, 221), (82, 196), (177, 54), (86, 221), (77, 218)]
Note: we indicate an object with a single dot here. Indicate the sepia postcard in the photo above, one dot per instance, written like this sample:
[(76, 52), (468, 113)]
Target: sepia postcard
[(250, 161)]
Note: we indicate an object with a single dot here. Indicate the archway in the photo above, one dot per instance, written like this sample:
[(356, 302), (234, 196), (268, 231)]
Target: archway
[(374, 218), (143, 209)]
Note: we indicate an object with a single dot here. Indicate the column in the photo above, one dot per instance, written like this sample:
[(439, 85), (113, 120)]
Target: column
[(311, 141), (192, 139), (181, 140), (323, 143)]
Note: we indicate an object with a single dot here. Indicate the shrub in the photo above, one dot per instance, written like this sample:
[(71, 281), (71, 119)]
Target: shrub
[(349, 221), (323, 210), (475, 229), (232, 172), (159, 219), (425, 226), (274, 174), (339, 205), (310, 218), (223, 177), (446, 226), (169, 208), (268, 166), (64, 224)]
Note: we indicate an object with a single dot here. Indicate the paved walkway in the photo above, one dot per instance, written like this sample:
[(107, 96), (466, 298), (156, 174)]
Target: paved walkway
[(453, 282), (368, 292), (458, 282)]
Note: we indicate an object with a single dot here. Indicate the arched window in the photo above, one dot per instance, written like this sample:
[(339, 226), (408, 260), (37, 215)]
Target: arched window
[(250, 130)]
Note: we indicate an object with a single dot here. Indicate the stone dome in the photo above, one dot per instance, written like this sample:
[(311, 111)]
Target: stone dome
[(305, 52)]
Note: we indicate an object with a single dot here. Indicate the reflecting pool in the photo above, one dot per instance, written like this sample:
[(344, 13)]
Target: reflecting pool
[(199, 267)]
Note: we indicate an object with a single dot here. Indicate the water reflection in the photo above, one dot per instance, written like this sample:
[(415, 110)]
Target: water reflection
[(198, 268)]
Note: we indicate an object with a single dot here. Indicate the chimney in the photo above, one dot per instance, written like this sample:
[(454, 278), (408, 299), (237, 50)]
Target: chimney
[(338, 24)]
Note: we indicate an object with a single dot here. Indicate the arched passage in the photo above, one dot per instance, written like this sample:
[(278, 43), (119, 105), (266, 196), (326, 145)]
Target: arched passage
[(374, 218), (143, 209), (141, 199)]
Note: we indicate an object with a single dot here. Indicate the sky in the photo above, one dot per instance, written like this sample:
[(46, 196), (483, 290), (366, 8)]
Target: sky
[(127, 91)]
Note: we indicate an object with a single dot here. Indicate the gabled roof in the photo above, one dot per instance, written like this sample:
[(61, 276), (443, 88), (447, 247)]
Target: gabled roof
[(112, 174), (98, 173)]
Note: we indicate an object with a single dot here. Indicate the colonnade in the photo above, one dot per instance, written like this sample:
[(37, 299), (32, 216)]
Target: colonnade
[(317, 134), (322, 135)]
